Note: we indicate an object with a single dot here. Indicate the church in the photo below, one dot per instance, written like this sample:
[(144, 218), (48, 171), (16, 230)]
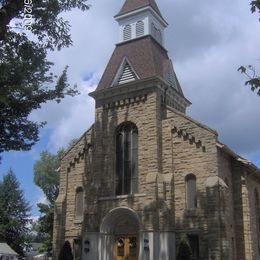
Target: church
[(145, 176)]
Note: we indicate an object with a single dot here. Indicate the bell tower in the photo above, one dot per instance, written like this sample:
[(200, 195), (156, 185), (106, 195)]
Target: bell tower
[(140, 18), (140, 55)]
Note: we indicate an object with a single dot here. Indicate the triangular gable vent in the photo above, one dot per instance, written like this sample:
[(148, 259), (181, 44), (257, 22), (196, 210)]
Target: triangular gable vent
[(127, 74)]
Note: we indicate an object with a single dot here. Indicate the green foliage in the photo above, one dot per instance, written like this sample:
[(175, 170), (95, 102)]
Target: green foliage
[(249, 71), (34, 235), (45, 226), (26, 81), (184, 250), (14, 213), (253, 79), (48, 25), (255, 6), (47, 178)]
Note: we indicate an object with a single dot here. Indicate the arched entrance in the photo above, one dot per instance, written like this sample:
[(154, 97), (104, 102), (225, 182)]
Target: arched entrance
[(120, 231)]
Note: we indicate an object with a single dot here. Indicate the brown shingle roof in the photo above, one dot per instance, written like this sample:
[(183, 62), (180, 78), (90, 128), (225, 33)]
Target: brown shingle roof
[(132, 5), (145, 55)]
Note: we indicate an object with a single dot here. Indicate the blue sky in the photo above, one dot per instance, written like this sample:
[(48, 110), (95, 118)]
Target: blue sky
[(22, 165), (207, 41)]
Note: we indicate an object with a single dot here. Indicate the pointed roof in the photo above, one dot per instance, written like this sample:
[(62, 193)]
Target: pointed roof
[(6, 250), (132, 5), (147, 59)]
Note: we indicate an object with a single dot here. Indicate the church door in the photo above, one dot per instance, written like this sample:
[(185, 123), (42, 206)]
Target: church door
[(126, 248)]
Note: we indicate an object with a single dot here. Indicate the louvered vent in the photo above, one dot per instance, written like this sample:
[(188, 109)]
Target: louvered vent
[(127, 75), (139, 28), (127, 32), (171, 78)]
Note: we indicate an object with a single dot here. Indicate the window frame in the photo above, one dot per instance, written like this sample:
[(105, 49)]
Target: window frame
[(78, 216), (126, 159), (189, 204)]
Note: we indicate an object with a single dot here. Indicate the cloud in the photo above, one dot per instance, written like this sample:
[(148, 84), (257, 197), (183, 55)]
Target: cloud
[(207, 41), (210, 41), (70, 118), (41, 198), (76, 121)]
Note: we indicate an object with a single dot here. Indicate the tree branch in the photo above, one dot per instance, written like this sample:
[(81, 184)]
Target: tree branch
[(9, 11)]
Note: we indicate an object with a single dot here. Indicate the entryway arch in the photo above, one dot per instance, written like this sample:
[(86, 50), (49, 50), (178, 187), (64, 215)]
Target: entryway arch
[(120, 235)]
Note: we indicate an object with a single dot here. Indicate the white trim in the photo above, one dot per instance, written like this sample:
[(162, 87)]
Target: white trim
[(109, 221), (119, 197), (162, 21), (120, 71)]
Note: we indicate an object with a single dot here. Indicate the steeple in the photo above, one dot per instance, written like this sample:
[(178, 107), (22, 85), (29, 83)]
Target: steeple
[(140, 56), (138, 18)]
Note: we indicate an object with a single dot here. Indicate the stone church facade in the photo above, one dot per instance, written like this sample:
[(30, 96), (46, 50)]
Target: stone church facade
[(145, 175)]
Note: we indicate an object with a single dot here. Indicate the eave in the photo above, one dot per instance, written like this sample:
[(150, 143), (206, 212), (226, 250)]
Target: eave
[(248, 164)]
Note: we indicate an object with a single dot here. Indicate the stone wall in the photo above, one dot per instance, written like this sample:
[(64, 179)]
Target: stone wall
[(227, 208), (190, 148), (253, 184), (171, 146), (143, 109), (72, 175)]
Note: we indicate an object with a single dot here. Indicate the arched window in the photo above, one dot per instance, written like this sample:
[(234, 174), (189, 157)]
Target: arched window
[(191, 191), (139, 28), (127, 32), (79, 203), (126, 159), (257, 218)]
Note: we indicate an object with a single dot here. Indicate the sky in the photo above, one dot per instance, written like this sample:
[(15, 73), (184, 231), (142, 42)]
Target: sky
[(207, 42)]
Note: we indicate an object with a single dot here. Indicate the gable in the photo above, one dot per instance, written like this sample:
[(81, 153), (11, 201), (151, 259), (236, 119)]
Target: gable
[(145, 56), (125, 73)]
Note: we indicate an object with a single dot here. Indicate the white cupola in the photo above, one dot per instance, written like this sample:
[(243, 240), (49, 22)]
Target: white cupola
[(140, 18)]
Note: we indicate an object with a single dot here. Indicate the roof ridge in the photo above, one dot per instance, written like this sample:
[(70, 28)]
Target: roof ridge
[(132, 5)]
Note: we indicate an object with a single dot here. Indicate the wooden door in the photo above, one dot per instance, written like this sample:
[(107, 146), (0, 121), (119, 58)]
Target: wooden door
[(126, 248)]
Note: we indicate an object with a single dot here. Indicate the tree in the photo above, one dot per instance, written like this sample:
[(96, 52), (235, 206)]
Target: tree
[(184, 250), (14, 213), (253, 78), (26, 80), (47, 178), (255, 6), (33, 235)]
